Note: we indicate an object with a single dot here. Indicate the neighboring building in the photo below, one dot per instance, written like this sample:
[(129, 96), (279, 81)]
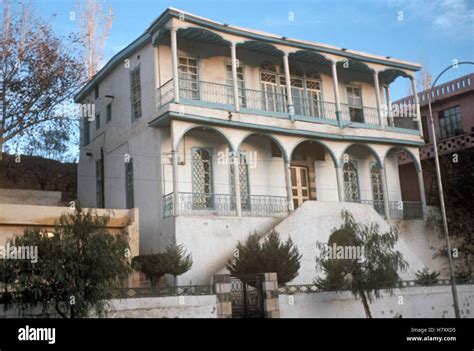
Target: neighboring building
[(452, 106), (190, 96)]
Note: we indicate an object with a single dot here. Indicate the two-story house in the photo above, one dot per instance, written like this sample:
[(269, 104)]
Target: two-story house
[(214, 131)]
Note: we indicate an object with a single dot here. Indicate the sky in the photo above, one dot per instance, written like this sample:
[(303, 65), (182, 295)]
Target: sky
[(432, 33)]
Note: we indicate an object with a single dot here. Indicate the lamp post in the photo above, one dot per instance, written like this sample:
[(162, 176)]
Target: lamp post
[(441, 196)]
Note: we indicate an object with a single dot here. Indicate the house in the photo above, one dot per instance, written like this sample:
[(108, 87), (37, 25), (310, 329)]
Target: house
[(452, 106), (193, 123)]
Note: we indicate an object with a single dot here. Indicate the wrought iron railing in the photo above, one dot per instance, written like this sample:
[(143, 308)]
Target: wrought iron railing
[(191, 290), (266, 206), (165, 94), (264, 101), (360, 114), (405, 210), (378, 205), (404, 122), (314, 108), (198, 204)]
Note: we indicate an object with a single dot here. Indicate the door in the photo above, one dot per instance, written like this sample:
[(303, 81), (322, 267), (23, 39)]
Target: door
[(354, 99), (299, 185)]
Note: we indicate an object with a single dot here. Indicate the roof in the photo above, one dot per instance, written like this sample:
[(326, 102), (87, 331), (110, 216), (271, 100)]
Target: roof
[(171, 12)]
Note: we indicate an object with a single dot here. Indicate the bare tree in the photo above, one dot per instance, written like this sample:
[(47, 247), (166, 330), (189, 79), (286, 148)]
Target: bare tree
[(38, 72), (94, 23)]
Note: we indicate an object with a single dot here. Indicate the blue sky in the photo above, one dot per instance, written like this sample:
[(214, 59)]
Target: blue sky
[(432, 33)]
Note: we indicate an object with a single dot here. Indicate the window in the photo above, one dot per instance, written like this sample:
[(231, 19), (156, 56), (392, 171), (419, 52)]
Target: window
[(450, 122), (135, 93), (129, 196), (351, 182), (354, 100), (426, 133), (109, 113), (377, 188), (313, 105), (97, 121), (87, 132), (96, 91), (230, 84), (243, 181), (202, 178), (99, 176), (188, 78), (271, 99)]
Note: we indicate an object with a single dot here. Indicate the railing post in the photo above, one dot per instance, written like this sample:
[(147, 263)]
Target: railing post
[(289, 95), (174, 60), (417, 102), (289, 192), (233, 55), (377, 98), (385, 193), (340, 181), (335, 83), (235, 164), (421, 185)]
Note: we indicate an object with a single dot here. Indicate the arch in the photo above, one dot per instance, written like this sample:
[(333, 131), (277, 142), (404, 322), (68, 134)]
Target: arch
[(389, 75), (331, 153), (261, 47), (354, 65), (271, 137), (412, 156), (266, 65), (217, 130), (310, 57), (203, 35), (377, 157)]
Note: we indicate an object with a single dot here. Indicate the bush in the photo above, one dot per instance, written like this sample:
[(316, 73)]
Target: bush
[(426, 278)]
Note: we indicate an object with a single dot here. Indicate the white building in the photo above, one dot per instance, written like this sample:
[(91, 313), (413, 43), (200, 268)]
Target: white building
[(176, 107)]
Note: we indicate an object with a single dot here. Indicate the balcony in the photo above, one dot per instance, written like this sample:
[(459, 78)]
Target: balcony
[(399, 210), (221, 96), (198, 204)]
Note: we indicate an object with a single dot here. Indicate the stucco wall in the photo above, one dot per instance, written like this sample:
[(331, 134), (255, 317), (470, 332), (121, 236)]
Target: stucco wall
[(418, 302), (30, 197)]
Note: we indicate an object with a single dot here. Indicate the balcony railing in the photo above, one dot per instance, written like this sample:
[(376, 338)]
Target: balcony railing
[(405, 210), (378, 206), (360, 114), (199, 204)]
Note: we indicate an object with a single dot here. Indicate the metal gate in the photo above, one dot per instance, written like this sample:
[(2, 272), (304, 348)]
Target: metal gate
[(247, 296)]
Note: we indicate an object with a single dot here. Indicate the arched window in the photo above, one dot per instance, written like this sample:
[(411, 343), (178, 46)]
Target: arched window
[(202, 178), (351, 182), (377, 188)]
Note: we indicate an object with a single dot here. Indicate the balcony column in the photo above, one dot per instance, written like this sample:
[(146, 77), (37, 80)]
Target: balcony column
[(289, 191), (377, 98), (289, 95), (233, 55), (385, 193), (335, 83), (421, 185), (389, 104), (174, 171), (235, 164), (174, 61), (417, 102), (340, 181)]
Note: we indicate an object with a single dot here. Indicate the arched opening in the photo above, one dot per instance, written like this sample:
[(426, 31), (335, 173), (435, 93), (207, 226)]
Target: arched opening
[(363, 177), (402, 177), (313, 175)]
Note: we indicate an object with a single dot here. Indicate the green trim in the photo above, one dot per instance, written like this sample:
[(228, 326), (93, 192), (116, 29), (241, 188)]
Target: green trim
[(165, 118)]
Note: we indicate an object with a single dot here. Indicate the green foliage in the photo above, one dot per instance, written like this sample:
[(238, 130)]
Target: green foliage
[(426, 277), (172, 261), (272, 255), (76, 266), (364, 276)]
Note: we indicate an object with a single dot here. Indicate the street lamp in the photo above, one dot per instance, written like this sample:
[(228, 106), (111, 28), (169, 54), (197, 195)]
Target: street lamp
[(440, 189)]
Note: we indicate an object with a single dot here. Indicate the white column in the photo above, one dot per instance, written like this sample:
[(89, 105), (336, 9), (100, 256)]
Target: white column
[(389, 105), (174, 60), (340, 182), (233, 55), (174, 170), (235, 165), (289, 191), (377, 98), (289, 95), (421, 185), (417, 102), (385, 193), (335, 83)]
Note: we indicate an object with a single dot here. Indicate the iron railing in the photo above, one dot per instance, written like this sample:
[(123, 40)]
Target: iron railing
[(264, 101), (405, 210), (191, 290), (360, 114), (404, 122), (165, 94), (315, 108), (378, 205), (198, 204)]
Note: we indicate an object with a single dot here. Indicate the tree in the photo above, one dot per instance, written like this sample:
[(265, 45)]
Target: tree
[(172, 261), (271, 255), (377, 268), (77, 265), (95, 24), (426, 278), (38, 73)]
